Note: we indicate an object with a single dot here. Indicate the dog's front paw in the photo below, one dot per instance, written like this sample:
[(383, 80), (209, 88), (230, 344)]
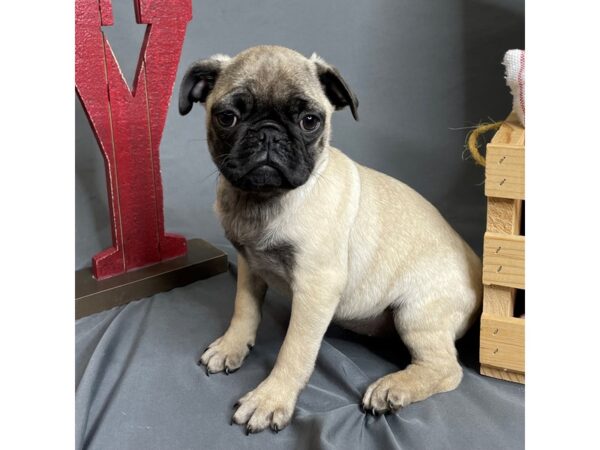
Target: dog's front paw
[(225, 355), (271, 405)]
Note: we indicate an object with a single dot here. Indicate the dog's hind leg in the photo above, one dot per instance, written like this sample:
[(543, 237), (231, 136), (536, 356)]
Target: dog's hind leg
[(434, 367)]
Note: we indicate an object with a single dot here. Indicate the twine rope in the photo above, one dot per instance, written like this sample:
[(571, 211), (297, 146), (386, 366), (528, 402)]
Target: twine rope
[(473, 138)]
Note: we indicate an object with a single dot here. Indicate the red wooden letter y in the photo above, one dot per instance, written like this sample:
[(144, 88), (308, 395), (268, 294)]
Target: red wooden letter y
[(128, 126)]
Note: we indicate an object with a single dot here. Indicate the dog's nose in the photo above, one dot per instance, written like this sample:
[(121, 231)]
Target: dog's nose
[(269, 136)]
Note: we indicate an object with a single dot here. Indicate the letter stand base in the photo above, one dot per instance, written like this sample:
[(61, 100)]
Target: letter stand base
[(201, 261)]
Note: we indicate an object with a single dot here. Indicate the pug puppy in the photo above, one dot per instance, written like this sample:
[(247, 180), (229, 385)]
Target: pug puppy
[(347, 243)]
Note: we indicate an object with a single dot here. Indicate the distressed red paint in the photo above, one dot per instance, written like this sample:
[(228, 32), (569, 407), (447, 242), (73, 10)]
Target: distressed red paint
[(128, 126)]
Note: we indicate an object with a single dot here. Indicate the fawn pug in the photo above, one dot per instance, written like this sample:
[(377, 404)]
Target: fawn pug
[(349, 244)]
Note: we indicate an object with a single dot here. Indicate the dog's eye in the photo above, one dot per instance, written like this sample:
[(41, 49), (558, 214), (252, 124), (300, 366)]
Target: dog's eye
[(227, 119), (310, 123)]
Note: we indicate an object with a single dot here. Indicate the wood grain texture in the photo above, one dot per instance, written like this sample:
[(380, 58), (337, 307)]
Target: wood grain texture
[(502, 342), (128, 125), (505, 171), (499, 300), (504, 215), (502, 374), (510, 132), (504, 260)]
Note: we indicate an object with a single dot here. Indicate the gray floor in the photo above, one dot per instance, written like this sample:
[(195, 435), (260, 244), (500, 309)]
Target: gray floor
[(138, 386)]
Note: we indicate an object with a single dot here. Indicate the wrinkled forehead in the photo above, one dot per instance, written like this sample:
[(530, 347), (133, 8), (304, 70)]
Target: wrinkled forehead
[(272, 77)]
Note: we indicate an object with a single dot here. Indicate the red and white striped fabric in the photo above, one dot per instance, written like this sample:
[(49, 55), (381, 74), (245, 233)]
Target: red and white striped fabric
[(514, 61)]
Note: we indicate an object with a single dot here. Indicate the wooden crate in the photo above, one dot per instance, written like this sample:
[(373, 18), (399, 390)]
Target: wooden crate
[(502, 337)]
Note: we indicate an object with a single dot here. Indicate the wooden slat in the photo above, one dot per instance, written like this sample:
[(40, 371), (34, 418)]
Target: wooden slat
[(502, 374), (502, 343), (504, 215), (504, 260), (499, 300), (505, 171)]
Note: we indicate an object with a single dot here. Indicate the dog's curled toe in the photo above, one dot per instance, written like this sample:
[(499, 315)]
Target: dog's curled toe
[(225, 355), (270, 405), (386, 395), (398, 390)]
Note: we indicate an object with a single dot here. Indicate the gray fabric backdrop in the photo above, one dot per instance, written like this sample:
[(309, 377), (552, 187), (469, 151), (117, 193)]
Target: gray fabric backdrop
[(422, 70)]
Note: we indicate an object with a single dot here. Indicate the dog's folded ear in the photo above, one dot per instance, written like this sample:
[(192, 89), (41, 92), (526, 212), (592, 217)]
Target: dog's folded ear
[(336, 89), (199, 80)]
